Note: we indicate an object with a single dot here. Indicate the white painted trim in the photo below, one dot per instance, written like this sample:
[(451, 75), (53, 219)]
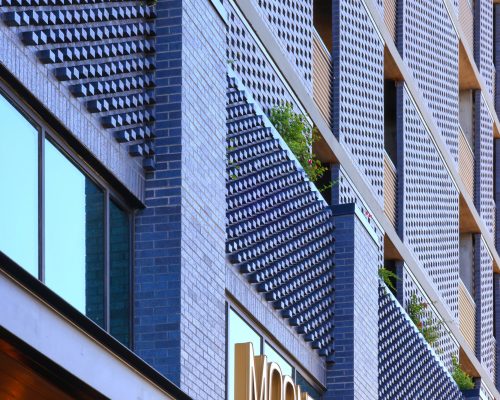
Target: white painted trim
[(47, 331)]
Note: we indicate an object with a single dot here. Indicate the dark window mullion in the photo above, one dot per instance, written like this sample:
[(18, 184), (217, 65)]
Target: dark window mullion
[(41, 205), (131, 218), (107, 324)]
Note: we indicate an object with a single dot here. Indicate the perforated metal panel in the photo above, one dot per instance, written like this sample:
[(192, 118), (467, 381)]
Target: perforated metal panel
[(408, 368), (429, 45), (445, 346), (483, 154), (427, 203), (485, 341), (483, 40), (291, 21), (358, 90), (280, 230), (255, 68), (103, 52)]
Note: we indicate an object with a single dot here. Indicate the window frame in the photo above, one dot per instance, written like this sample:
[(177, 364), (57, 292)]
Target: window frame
[(83, 164), (266, 338)]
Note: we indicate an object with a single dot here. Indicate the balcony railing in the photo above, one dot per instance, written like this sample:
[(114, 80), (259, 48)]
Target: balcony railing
[(467, 315), (322, 77), (390, 182), (466, 17), (390, 17), (466, 163)]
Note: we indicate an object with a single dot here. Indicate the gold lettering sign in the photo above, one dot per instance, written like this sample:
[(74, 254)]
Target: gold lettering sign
[(256, 379)]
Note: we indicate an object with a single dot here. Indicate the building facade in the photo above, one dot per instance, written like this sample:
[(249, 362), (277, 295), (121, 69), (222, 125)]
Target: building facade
[(161, 236)]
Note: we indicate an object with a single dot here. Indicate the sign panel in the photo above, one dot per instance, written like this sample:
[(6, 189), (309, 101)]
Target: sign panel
[(257, 379)]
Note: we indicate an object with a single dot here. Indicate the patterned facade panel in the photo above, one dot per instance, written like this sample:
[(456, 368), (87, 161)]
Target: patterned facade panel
[(485, 340), (292, 24), (280, 230), (246, 56), (445, 346), (483, 154), (496, 56), (358, 90), (428, 203), (103, 53), (408, 367), (483, 41), (429, 45)]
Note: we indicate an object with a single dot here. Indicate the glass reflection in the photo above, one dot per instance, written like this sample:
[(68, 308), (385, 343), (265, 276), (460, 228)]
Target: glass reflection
[(239, 332), (74, 235), (19, 188), (274, 356), (119, 253)]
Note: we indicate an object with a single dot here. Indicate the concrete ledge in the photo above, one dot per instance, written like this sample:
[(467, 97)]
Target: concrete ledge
[(39, 324)]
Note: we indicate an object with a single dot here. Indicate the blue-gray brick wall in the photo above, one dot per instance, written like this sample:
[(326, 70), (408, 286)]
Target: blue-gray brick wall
[(354, 374), (180, 237)]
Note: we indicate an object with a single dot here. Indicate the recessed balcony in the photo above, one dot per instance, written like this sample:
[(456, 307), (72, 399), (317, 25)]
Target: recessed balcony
[(322, 77)]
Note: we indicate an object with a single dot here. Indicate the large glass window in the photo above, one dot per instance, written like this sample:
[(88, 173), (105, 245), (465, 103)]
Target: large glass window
[(119, 249), (62, 224), (74, 235), (239, 331), (19, 188)]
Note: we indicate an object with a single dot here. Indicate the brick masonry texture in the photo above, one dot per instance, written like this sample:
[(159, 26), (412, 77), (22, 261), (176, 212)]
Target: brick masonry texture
[(180, 237), (354, 375), (23, 64), (280, 230), (408, 368)]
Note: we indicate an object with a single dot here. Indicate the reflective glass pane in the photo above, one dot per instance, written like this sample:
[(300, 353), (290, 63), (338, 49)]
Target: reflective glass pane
[(239, 332), (74, 235), (119, 258), (274, 356), (19, 188)]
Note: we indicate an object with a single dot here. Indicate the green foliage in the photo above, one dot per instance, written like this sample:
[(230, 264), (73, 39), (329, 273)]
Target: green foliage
[(463, 380), (299, 136), (427, 326), (388, 277)]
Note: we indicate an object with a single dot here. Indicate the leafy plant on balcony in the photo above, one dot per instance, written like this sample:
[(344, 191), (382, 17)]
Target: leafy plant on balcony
[(463, 380), (388, 277), (300, 136), (427, 326)]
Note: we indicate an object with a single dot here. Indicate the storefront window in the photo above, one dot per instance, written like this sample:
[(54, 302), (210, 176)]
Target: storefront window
[(119, 250), (74, 235), (85, 256), (19, 183), (239, 331)]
